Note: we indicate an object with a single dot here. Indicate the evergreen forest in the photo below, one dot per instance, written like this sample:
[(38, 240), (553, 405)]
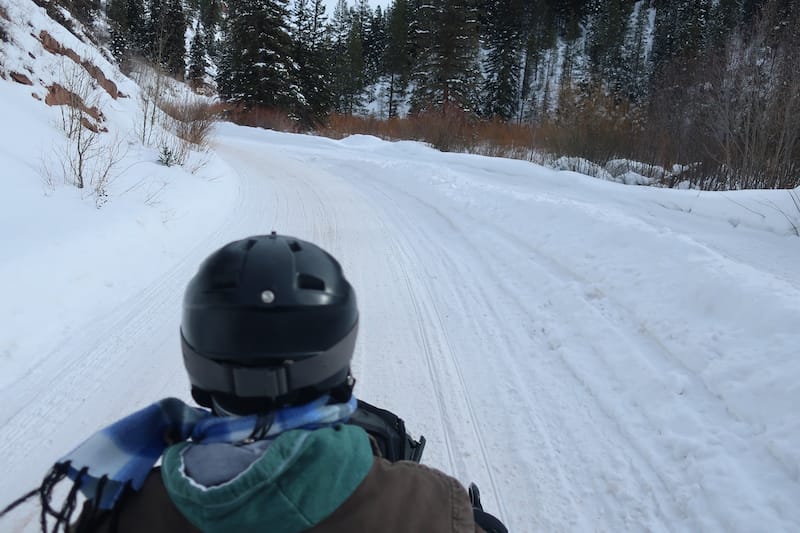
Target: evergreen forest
[(709, 84)]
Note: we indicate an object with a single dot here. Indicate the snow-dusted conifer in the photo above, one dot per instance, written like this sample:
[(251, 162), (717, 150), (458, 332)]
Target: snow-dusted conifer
[(197, 56), (256, 66), (447, 73), (503, 62), (397, 58), (311, 51), (348, 49)]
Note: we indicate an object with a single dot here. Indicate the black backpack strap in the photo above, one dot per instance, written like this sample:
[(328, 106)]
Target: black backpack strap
[(389, 432)]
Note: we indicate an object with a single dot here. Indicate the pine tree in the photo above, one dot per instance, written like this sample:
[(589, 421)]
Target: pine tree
[(697, 14), (634, 69), (680, 30), (348, 50), (155, 31), (375, 43), (605, 47), (126, 26), (256, 66), (724, 18), (118, 27), (174, 56), (424, 28), (539, 36), (568, 15), (210, 16), (751, 10), (397, 59), (197, 57), (136, 24), (447, 74), (311, 52), (503, 64)]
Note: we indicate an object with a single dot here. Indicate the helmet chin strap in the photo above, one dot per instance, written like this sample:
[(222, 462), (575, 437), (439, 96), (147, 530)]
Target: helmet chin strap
[(338, 394), (218, 410)]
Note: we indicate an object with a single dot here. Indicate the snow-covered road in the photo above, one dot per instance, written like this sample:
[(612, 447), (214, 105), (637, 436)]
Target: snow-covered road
[(596, 357)]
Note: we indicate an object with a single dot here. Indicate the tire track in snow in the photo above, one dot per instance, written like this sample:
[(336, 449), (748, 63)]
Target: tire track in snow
[(420, 238), (716, 421), (319, 221), (435, 376), (441, 327), (525, 309), (470, 408)]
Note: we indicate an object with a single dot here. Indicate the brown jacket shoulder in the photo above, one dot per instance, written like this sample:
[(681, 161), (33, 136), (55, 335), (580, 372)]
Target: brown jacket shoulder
[(393, 498)]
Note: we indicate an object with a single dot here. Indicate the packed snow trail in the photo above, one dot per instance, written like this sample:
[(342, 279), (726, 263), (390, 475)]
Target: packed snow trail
[(535, 371), (596, 357)]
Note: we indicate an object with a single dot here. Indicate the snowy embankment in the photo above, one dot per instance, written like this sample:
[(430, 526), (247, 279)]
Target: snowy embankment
[(597, 357)]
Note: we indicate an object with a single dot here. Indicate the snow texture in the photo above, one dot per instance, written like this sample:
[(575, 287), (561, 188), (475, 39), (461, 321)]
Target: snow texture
[(596, 356)]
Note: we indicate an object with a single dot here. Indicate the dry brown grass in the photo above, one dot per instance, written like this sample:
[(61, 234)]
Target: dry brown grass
[(453, 132), (261, 117), (449, 132), (194, 119)]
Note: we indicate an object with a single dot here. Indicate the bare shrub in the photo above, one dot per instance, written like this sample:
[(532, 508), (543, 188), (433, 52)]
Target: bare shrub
[(752, 109), (451, 131), (88, 158), (501, 139), (339, 126), (593, 124), (262, 117), (793, 217), (90, 165), (193, 119), (174, 126), (77, 98), (152, 82)]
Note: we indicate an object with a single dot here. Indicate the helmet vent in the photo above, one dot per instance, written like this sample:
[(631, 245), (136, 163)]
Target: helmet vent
[(294, 246), (249, 244), (306, 281)]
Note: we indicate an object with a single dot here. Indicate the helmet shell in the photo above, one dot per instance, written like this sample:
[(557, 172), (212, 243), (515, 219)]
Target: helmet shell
[(264, 302)]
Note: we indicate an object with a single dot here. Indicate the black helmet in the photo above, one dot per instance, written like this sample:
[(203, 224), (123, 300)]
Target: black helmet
[(267, 321)]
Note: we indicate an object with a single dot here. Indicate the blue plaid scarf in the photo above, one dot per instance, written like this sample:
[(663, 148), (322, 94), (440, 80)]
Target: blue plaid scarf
[(123, 453)]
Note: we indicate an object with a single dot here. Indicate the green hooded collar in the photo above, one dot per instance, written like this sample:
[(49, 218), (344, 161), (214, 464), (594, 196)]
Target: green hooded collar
[(301, 478)]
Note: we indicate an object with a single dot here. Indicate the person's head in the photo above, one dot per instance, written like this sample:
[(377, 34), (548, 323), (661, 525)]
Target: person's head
[(268, 321)]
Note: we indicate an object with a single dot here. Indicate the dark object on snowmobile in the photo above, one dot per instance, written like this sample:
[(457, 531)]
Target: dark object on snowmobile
[(389, 431), (475, 496), (488, 522)]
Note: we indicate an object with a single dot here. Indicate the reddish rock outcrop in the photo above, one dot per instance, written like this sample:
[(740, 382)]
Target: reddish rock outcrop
[(95, 72), (58, 95), (54, 47), (20, 78)]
